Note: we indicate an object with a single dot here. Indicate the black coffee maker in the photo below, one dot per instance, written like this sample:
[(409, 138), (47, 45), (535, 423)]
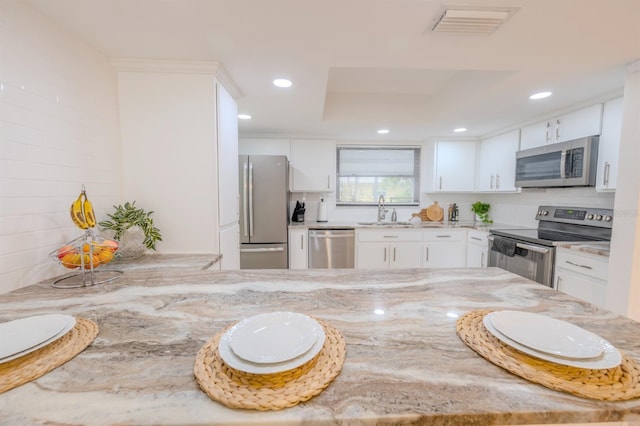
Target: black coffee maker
[(298, 212)]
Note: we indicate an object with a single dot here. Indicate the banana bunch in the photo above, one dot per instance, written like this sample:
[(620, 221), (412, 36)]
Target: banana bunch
[(82, 211)]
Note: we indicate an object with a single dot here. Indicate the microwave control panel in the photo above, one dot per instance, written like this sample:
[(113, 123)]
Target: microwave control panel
[(576, 160)]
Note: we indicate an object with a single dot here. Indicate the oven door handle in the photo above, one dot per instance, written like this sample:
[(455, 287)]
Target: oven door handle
[(536, 249), (533, 248)]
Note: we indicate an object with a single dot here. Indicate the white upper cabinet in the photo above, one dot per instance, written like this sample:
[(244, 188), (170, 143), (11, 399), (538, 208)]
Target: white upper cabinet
[(312, 165), (609, 146), (573, 125), (497, 162), (455, 164)]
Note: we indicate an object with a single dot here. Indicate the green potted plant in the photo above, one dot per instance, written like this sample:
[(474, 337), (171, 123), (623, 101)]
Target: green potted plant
[(482, 211), (134, 228)]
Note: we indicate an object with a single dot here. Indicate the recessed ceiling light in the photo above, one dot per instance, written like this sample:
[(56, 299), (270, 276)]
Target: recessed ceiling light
[(244, 116), (540, 95), (282, 82), (460, 129), (383, 131)]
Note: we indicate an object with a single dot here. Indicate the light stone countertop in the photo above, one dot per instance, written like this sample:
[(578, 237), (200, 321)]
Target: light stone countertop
[(406, 365), (599, 248), (401, 225)]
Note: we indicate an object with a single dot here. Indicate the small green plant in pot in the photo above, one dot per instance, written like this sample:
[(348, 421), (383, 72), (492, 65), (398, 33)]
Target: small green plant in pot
[(482, 211), (132, 226)]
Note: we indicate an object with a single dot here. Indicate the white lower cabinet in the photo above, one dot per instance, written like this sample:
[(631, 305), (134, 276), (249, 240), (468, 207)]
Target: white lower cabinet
[(390, 248), (444, 248), (298, 248), (582, 275), (477, 249)]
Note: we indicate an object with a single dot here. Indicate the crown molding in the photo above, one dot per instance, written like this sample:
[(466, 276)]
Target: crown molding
[(181, 67)]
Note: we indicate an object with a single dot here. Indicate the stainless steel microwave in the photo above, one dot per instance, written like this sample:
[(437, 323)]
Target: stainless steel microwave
[(571, 163)]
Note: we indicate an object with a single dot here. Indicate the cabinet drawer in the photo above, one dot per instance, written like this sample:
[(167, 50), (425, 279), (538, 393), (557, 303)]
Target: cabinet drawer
[(388, 235), (444, 235), (478, 237), (583, 263)]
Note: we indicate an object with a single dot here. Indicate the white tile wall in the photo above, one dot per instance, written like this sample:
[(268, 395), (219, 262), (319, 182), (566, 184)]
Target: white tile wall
[(58, 130)]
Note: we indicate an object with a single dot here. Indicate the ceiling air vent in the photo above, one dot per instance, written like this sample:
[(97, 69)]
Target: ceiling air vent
[(470, 21)]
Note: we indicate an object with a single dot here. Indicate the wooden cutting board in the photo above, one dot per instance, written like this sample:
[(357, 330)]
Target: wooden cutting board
[(435, 213)]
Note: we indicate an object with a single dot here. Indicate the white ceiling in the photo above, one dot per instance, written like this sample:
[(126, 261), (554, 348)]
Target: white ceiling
[(359, 65)]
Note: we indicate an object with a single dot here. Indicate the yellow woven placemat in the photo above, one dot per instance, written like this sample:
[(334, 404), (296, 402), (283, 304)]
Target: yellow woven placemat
[(39, 362), (238, 389), (613, 384)]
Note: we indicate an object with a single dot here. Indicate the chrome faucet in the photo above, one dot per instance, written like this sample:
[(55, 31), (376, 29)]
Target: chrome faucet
[(382, 212)]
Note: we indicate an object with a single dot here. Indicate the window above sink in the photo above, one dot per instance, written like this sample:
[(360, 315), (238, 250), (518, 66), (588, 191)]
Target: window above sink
[(365, 173)]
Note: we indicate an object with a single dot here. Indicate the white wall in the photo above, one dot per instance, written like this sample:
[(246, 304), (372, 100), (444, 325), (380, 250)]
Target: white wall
[(623, 290), (58, 130), (168, 133)]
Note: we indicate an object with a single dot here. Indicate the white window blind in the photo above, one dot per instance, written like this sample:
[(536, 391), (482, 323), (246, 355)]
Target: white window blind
[(365, 173)]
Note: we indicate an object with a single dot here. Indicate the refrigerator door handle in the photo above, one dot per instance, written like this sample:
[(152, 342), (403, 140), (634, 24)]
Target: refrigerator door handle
[(251, 199), (245, 216), (261, 250)]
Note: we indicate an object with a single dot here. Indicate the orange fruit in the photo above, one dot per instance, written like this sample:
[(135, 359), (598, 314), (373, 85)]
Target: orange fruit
[(105, 256), (86, 248), (70, 260)]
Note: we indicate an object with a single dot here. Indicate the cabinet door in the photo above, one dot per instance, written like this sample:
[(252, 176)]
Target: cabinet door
[(230, 247), (609, 145), (450, 254), (405, 255), (585, 288), (535, 135), (298, 250), (477, 249), (312, 165), (497, 162), (227, 129), (372, 255), (476, 256), (455, 166), (579, 124), (574, 125)]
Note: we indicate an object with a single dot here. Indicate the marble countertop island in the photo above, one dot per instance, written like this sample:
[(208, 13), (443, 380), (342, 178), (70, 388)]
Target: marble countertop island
[(404, 362)]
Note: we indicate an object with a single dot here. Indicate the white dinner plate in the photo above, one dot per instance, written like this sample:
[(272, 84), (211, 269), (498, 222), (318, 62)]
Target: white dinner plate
[(609, 358), (234, 361), (273, 337), (25, 335), (546, 334)]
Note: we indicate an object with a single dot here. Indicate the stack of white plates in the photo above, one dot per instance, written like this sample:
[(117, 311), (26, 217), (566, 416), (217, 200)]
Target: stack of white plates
[(23, 336), (271, 343), (552, 340)]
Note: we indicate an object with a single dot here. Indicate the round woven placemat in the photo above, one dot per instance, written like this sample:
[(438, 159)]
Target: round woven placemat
[(613, 384), (238, 389), (39, 362)]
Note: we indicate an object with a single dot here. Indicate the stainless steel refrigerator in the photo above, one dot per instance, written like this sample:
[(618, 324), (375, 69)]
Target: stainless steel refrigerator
[(264, 211)]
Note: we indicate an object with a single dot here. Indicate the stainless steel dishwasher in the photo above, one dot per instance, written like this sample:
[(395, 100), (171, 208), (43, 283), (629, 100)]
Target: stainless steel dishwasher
[(332, 248)]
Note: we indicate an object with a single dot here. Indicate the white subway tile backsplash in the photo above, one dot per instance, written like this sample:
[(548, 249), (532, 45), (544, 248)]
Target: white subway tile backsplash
[(58, 130)]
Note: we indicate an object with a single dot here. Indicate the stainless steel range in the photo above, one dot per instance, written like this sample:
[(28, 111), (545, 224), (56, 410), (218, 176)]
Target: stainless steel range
[(531, 252)]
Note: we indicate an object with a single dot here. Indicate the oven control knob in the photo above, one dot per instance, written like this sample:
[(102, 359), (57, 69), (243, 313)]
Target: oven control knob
[(607, 218), (598, 217), (590, 216)]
